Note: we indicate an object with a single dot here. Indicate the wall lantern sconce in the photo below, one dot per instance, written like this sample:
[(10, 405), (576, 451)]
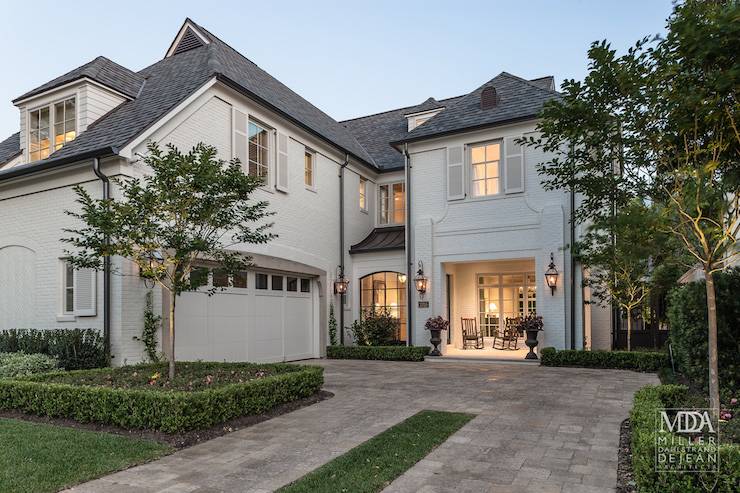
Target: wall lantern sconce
[(341, 283), (421, 280), (551, 275)]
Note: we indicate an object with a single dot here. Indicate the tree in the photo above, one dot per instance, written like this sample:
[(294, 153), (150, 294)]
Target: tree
[(618, 252), (191, 207), (661, 123)]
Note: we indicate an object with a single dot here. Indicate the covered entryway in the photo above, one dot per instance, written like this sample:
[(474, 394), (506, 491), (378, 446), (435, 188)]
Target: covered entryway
[(258, 316)]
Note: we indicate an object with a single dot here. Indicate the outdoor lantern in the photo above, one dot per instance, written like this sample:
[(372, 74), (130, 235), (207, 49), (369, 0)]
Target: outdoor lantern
[(421, 280), (551, 275), (341, 283)]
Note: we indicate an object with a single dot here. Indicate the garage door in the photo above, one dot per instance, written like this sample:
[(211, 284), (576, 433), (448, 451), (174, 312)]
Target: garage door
[(260, 317)]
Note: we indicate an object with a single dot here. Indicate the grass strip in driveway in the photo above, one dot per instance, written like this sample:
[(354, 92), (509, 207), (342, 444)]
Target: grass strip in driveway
[(39, 458), (371, 466)]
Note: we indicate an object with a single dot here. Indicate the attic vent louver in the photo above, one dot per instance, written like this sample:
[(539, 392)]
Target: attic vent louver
[(189, 41), (488, 98)]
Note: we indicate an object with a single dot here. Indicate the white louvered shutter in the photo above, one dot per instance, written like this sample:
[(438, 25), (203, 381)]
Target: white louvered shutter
[(455, 173), (281, 182), (241, 147), (85, 292), (514, 162)]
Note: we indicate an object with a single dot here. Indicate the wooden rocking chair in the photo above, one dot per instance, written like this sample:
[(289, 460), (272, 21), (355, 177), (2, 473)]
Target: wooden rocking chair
[(471, 334)]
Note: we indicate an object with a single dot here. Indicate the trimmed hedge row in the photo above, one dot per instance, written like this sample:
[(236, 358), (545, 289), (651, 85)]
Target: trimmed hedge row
[(168, 411), (384, 353), (21, 364), (621, 360), (648, 401), (75, 349)]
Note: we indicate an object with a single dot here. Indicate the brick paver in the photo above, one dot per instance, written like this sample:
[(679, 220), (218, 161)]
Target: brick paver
[(537, 430)]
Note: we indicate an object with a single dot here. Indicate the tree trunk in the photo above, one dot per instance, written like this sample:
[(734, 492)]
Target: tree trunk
[(712, 324), (173, 297), (629, 329)]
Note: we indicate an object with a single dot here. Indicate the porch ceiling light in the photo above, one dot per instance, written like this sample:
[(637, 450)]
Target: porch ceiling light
[(341, 283), (551, 275), (421, 280)]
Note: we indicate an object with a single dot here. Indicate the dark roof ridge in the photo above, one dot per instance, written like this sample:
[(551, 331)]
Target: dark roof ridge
[(401, 108), (529, 82)]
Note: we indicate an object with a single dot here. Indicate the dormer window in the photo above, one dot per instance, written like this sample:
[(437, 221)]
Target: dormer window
[(40, 128)]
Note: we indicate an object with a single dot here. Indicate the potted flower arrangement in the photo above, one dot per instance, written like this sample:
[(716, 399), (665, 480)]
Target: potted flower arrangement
[(435, 326), (531, 324)]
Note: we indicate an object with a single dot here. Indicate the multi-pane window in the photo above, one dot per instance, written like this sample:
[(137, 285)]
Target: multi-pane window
[(259, 151), (385, 291), (502, 298), (486, 163), (63, 114), (68, 301), (308, 169), (363, 193), (391, 203)]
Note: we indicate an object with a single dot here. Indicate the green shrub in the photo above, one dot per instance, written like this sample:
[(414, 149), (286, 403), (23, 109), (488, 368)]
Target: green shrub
[(168, 411), (75, 349), (648, 401), (376, 328), (687, 314), (21, 364), (622, 360), (386, 353)]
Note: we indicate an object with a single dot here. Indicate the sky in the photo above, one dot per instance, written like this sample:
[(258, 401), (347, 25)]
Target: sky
[(347, 58)]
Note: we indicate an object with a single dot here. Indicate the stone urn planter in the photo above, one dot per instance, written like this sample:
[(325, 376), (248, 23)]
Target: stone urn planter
[(532, 325), (435, 326)]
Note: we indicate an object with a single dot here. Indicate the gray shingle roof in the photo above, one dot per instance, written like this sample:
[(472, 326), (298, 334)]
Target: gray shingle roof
[(380, 239), (376, 132), (10, 148), (102, 70), (519, 99)]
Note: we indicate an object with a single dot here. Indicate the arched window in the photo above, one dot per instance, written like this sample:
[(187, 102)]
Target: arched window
[(385, 290)]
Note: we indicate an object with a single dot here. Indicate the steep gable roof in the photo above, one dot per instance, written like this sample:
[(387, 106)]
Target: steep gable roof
[(102, 70), (10, 148), (518, 99)]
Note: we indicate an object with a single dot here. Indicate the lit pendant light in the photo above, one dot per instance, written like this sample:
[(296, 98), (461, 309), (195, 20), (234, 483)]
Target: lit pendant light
[(551, 275), (341, 283), (421, 280)]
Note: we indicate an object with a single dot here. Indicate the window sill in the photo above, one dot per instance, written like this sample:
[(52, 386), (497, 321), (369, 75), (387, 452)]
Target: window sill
[(364, 211), (310, 188), (483, 198), (66, 318)]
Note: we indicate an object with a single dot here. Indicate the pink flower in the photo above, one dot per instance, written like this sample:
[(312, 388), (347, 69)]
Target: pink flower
[(733, 401)]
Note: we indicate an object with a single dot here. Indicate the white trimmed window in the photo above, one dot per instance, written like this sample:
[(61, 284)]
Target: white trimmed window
[(68, 289), (485, 161), (309, 169), (79, 295), (63, 114), (259, 150), (363, 194), (391, 203)]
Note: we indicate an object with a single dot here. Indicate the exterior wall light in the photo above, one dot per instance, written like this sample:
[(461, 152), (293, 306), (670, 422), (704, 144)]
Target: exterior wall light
[(341, 283), (421, 280), (551, 275)]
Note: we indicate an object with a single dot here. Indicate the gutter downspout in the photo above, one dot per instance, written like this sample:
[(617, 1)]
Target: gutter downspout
[(106, 266), (572, 272), (341, 244), (409, 255)]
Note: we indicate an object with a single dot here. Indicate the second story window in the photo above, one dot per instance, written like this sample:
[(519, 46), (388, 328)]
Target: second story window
[(64, 117), (391, 203), (308, 169), (486, 163), (259, 151), (363, 194)]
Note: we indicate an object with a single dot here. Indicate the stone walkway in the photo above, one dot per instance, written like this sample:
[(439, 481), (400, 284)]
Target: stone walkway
[(537, 430)]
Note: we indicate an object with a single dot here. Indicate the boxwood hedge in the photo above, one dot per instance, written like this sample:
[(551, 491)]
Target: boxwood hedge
[(167, 411), (385, 353), (622, 360), (648, 401)]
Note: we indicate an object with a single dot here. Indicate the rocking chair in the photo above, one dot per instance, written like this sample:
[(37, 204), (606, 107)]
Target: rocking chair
[(471, 334)]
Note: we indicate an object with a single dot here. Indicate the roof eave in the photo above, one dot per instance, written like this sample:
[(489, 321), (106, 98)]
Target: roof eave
[(45, 165)]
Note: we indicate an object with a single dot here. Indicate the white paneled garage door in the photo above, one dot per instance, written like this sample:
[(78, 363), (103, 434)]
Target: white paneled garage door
[(260, 317)]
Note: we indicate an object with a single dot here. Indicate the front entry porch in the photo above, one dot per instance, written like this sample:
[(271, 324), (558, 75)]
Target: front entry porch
[(484, 301)]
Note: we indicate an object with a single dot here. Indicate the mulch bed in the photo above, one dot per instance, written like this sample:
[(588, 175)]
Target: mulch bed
[(625, 478), (178, 440)]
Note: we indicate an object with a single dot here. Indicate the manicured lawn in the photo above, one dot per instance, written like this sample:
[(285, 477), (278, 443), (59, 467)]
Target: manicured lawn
[(371, 466), (38, 458)]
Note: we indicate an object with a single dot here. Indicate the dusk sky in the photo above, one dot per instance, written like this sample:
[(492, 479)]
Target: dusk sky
[(347, 58)]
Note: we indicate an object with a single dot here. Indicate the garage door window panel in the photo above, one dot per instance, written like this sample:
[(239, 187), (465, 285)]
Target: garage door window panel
[(261, 281), (305, 285), (293, 284), (277, 283)]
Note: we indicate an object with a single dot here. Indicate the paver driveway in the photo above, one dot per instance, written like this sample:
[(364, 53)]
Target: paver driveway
[(537, 429)]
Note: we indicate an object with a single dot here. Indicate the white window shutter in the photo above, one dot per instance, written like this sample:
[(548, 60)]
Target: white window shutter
[(241, 147), (85, 298), (514, 162), (455, 173), (281, 183)]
